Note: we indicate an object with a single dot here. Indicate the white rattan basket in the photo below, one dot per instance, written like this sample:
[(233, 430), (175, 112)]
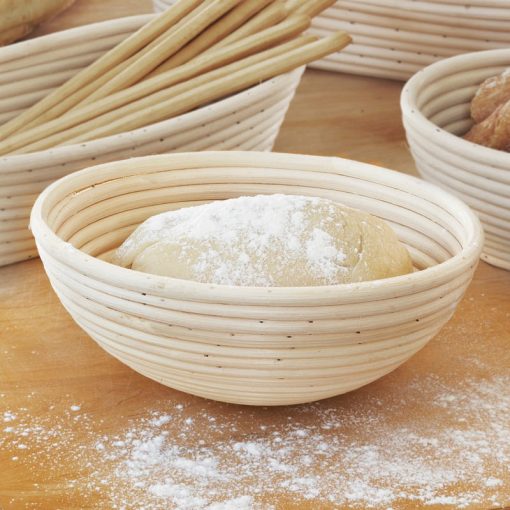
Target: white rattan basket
[(435, 105), (253, 345), (29, 70), (395, 38)]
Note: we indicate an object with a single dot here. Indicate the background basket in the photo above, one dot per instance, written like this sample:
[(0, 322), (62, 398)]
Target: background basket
[(396, 38), (249, 120), (253, 345), (436, 108)]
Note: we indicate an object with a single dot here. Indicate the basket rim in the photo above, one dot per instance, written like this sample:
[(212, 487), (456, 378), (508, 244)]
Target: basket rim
[(434, 133), (196, 291)]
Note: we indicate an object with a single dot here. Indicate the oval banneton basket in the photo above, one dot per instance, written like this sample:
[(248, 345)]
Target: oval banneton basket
[(253, 345), (249, 120), (396, 38), (436, 113)]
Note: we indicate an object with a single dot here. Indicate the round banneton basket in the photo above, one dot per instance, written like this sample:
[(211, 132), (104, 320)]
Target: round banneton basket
[(253, 345), (249, 120), (436, 113), (396, 38)]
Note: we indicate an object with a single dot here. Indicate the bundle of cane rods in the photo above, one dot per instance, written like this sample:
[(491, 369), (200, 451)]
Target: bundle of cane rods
[(196, 52)]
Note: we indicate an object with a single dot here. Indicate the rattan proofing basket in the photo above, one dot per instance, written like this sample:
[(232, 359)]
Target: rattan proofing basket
[(29, 70), (252, 345), (435, 105), (396, 38)]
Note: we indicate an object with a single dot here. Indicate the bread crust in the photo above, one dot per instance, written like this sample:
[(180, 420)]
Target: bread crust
[(494, 131), (493, 92)]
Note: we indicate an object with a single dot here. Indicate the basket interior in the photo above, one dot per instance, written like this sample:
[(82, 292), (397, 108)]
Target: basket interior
[(99, 217), (446, 101)]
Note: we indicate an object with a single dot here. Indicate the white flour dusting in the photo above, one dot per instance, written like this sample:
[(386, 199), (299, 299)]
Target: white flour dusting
[(247, 240), (169, 459), (8, 416)]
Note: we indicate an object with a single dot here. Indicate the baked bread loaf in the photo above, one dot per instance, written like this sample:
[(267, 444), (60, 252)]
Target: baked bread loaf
[(491, 94), (19, 17), (494, 131), (266, 240), (490, 110)]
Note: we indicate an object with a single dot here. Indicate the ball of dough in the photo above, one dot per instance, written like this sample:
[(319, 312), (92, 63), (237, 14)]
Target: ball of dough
[(266, 240)]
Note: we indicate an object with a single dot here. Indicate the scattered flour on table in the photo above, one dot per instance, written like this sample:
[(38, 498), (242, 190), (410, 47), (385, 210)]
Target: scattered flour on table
[(193, 459), (8, 416)]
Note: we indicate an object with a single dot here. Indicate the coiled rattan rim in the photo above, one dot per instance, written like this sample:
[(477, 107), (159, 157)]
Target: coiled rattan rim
[(181, 289)]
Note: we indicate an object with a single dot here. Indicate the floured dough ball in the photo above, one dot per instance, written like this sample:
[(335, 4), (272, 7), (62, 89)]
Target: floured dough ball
[(266, 240)]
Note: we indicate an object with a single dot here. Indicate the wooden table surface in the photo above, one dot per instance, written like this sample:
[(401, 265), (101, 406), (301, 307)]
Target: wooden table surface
[(433, 434)]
